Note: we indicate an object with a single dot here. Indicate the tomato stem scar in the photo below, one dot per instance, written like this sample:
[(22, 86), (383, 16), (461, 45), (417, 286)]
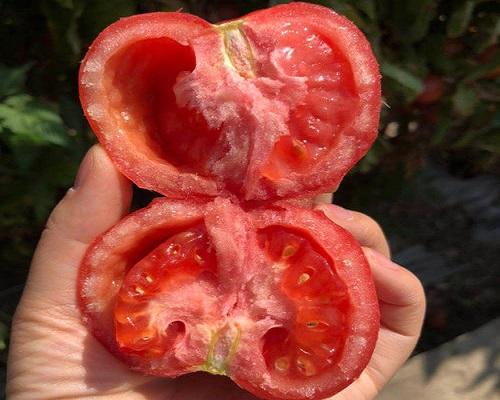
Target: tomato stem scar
[(214, 364), (237, 50)]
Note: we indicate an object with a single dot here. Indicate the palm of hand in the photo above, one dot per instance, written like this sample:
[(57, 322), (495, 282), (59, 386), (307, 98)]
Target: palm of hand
[(53, 356)]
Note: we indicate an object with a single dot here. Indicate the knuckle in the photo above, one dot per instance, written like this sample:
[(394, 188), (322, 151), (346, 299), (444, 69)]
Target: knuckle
[(416, 290), (371, 228)]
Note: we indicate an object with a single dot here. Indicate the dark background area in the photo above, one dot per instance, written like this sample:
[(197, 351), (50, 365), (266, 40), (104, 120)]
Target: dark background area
[(432, 178)]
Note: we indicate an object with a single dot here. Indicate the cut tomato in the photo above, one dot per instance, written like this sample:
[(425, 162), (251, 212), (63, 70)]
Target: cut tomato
[(280, 103), (238, 124), (280, 300)]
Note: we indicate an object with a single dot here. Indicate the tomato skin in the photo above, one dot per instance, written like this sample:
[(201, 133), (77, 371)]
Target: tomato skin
[(188, 283), (112, 255), (140, 155), (434, 88), (354, 271), (240, 261), (142, 167)]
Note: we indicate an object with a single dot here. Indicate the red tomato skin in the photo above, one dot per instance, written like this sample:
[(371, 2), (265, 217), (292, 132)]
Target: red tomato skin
[(354, 270), (96, 299), (237, 215), (109, 257), (434, 88), (145, 167), (135, 165)]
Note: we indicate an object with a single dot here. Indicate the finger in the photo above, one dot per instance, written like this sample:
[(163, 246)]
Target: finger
[(401, 295), (99, 198), (365, 229)]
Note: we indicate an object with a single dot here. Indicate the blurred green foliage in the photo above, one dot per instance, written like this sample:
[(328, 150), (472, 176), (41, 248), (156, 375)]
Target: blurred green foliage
[(440, 60)]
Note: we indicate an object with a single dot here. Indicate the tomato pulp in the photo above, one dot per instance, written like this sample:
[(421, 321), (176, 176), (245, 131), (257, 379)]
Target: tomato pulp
[(280, 300), (280, 103), (233, 123)]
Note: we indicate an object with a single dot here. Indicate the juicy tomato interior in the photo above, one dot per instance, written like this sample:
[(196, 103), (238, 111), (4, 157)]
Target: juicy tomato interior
[(176, 262), (141, 81), (317, 121), (314, 340)]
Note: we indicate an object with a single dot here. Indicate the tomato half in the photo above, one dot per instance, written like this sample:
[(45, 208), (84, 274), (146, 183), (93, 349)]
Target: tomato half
[(280, 103), (278, 299)]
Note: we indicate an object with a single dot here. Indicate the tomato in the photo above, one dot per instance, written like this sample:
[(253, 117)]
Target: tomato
[(239, 125), (487, 56), (279, 299), (280, 103), (434, 88)]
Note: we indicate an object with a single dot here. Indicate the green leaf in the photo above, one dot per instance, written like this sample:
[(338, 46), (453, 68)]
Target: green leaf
[(343, 7), (403, 77), (482, 69), (23, 119), (442, 129), (465, 101), (368, 7), (174, 5), (460, 19), (12, 79), (409, 20), (62, 21), (490, 143), (98, 14), (4, 334)]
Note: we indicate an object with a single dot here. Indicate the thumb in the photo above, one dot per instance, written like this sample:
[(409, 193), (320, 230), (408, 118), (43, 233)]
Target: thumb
[(99, 198)]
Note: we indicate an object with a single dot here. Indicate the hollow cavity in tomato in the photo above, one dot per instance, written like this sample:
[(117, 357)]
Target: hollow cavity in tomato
[(320, 302), (141, 325), (279, 300), (289, 94)]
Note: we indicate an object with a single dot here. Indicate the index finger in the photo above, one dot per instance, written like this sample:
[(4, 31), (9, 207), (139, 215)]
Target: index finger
[(365, 229)]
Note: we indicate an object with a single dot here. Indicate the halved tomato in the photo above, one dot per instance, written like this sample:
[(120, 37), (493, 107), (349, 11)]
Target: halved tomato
[(280, 103), (278, 299)]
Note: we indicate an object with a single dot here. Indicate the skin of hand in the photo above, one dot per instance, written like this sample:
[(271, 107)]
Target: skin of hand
[(53, 356)]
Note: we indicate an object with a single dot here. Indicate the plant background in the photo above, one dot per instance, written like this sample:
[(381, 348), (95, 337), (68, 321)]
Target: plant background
[(440, 61)]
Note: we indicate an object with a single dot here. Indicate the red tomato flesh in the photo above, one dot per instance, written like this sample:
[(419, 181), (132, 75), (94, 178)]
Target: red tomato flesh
[(320, 300), (280, 300), (224, 119), (140, 328), (280, 103)]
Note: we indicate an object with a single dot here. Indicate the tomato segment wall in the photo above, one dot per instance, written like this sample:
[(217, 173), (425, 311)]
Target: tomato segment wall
[(264, 298), (279, 104), (226, 119)]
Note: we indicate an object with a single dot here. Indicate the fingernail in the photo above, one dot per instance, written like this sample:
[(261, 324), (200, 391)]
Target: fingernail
[(83, 170), (381, 260), (334, 211)]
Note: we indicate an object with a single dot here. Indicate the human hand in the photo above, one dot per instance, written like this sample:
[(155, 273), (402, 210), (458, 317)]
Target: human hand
[(401, 299), (53, 356)]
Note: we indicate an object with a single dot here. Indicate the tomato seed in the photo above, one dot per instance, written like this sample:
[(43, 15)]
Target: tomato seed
[(282, 364), (305, 366), (199, 259), (173, 248), (138, 290), (288, 251), (304, 277), (299, 149)]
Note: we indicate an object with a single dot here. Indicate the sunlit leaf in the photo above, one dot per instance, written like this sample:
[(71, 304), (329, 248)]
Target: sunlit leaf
[(98, 14), (4, 333), (23, 119), (402, 76), (460, 19), (465, 100), (12, 79)]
